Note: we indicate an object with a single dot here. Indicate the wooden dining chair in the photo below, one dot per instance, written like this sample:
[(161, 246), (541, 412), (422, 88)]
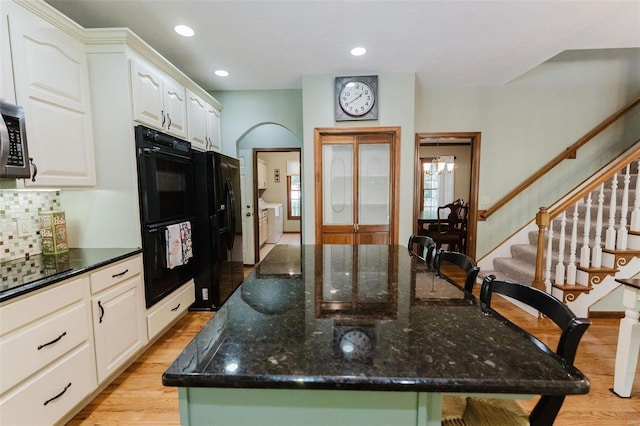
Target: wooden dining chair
[(488, 411), (463, 262), (423, 248), (451, 226)]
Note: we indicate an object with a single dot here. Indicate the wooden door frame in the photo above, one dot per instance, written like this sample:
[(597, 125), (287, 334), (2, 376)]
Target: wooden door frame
[(256, 209), (473, 187), (394, 183)]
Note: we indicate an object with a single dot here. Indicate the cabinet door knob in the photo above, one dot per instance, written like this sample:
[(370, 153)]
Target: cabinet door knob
[(163, 117)]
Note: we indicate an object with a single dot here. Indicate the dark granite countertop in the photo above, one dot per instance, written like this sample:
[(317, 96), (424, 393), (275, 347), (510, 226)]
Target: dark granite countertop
[(21, 276), (363, 318)]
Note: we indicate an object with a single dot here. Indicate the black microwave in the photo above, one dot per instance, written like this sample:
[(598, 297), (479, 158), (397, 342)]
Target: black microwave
[(14, 154)]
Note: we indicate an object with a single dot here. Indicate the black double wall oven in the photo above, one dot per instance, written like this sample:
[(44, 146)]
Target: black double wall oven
[(166, 195)]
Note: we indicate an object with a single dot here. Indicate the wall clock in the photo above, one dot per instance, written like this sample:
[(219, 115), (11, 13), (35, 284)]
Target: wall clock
[(354, 343), (356, 98)]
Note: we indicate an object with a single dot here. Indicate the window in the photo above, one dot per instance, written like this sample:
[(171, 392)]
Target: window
[(293, 197), (430, 185)]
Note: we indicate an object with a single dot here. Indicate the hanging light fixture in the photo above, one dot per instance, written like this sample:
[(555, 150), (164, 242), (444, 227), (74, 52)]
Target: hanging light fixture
[(440, 165)]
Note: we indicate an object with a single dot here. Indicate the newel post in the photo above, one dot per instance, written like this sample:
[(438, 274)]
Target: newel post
[(542, 220)]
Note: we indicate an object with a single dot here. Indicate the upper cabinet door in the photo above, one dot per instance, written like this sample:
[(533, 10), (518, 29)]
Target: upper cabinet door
[(196, 117), (158, 101), (7, 92), (52, 84), (213, 128), (175, 107), (148, 95)]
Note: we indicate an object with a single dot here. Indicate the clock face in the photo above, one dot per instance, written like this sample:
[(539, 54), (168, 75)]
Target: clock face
[(357, 98), (355, 345)]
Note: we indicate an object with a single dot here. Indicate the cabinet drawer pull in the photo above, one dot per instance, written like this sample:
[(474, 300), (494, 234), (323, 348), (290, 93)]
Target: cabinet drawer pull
[(176, 308), (120, 274), (58, 395), (169, 118), (101, 312), (163, 118), (53, 341)]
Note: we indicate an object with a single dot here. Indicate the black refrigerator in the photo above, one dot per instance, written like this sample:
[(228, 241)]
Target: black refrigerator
[(218, 232)]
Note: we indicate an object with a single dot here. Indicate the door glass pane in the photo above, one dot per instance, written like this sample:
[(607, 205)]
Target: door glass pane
[(373, 274), (337, 184), (373, 179), (336, 273)]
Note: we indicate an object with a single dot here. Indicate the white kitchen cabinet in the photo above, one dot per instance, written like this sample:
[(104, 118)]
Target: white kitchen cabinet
[(263, 226), (158, 100), (262, 174), (165, 312), (213, 129), (203, 123), (51, 82), (7, 91), (118, 315), (53, 393), (196, 121), (275, 222), (47, 354)]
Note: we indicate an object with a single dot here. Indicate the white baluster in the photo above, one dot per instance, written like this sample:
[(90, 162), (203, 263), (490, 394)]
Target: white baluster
[(585, 251), (596, 252), (635, 214), (547, 270), (571, 267), (560, 265), (610, 236), (621, 244)]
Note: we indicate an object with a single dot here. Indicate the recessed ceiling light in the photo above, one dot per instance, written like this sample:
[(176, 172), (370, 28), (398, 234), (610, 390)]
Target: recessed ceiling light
[(183, 30), (221, 73), (358, 51)]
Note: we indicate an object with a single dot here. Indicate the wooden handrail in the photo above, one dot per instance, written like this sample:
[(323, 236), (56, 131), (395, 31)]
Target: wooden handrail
[(545, 214), (570, 152)]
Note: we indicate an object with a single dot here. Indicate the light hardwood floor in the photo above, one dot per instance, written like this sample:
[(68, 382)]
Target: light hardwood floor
[(137, 396)]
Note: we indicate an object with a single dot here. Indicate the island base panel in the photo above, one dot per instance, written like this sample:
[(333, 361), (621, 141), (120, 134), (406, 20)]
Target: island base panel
[(282, 407)]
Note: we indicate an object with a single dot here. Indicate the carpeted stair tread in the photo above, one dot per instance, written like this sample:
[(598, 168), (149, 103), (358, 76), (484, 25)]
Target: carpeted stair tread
[(515, 269)]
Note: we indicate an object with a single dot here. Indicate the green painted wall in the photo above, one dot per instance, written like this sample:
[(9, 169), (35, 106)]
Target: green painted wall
[(244, 110), (532, 119), (396, 108), (524, 123)]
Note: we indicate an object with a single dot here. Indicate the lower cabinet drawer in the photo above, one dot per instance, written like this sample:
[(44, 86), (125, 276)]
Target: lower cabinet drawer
[(52, 393), (161, 315), (28, 349)]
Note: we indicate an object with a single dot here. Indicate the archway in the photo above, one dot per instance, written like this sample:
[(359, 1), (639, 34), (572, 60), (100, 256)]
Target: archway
[(262, 137)]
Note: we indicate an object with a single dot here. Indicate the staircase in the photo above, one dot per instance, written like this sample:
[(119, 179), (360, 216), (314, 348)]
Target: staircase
[(587, 239)]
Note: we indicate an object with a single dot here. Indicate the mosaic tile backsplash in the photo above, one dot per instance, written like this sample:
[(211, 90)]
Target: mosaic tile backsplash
[(19, 212)]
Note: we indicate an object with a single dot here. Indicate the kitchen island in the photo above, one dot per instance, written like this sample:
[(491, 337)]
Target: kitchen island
[(355, 335)]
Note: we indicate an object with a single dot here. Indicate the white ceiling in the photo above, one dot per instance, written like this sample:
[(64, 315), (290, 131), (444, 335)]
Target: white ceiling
[(271, 44)]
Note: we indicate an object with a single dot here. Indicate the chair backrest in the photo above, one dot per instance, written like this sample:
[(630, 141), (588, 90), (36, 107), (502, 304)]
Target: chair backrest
[(573, 328), (422, 247), (450, 216), (461, 260)]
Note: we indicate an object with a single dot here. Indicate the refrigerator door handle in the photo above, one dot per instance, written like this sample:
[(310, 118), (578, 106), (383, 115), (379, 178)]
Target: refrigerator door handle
[(231, 214)]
